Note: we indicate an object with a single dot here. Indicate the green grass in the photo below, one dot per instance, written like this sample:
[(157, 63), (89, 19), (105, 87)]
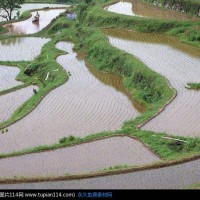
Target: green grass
[(147, 87), (25, 15), (115, 168), (187, 31), (95, 44), (189, 6), (193, 187), (40, 66), (194, 86), (44, 63)]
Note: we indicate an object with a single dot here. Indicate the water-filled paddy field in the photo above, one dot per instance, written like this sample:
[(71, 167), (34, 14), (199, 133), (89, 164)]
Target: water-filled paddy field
[(21, 48), (180, 64), (82, 106), (79, 159), (141, 9), (13, 100), (92, 102), (29, 27), (173, 177), (8, 77), (30, 6)]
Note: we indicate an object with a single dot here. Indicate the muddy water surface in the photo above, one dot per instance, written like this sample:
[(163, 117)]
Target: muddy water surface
[(8, 76), (142, 9), (29, 27), (29, 6), (173, 177), (180, 64), (84, 158), (21, 48), (12, 101), (80, 107)]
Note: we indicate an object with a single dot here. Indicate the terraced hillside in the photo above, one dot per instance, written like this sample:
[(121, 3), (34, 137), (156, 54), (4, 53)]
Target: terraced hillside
[(101, 95)]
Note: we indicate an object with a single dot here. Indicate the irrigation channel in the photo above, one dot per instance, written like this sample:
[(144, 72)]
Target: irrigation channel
[(92, 102)]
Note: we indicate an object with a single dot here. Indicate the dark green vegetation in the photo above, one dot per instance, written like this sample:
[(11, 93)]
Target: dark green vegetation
[(194, 86), (188, 6), (9, 6), (187, 31), (35, 74), (147, 87)]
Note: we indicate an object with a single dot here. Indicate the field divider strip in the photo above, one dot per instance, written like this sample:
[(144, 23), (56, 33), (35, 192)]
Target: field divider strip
[(161, 164)]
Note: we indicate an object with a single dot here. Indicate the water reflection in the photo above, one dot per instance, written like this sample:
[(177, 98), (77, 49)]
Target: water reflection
[(153, 38), (111, 80), (177, 62), (29, 27), (31, 6), (147, 10), (11, 41), (21, 48)]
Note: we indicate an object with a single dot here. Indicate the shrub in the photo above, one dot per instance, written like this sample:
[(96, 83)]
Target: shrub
[(67, 139)]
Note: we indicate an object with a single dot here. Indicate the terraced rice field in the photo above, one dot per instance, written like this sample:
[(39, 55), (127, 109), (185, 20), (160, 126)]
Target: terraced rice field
[(180, 64), (16, 49), (12, 101), (173, 177), (27, 27), (21, 48), (8, 76), (124, 8), (78, 159), (142, 9), (82, 106), (31, 6)]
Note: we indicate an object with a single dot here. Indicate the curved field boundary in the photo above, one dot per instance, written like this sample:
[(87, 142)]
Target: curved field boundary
[(174, 177), (117, 151), (22, 49), (120, 8), (159, 166), (178, 72), (27, 27), (6, 23), (79, 142), (82, 97), (8, 76), (136, 8), (12, 101), (3, 92)]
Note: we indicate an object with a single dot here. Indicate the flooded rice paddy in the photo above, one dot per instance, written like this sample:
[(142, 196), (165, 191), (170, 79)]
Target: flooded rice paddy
[(180, 64), (82, 106), (8, 76), (173, 177), (147, 10), (85, 158), (124, 8), (21, 48), (29, 27), (34, 6), (12, 101)]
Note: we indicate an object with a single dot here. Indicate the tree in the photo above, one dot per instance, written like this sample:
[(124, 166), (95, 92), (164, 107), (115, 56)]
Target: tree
[(8, 6)]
